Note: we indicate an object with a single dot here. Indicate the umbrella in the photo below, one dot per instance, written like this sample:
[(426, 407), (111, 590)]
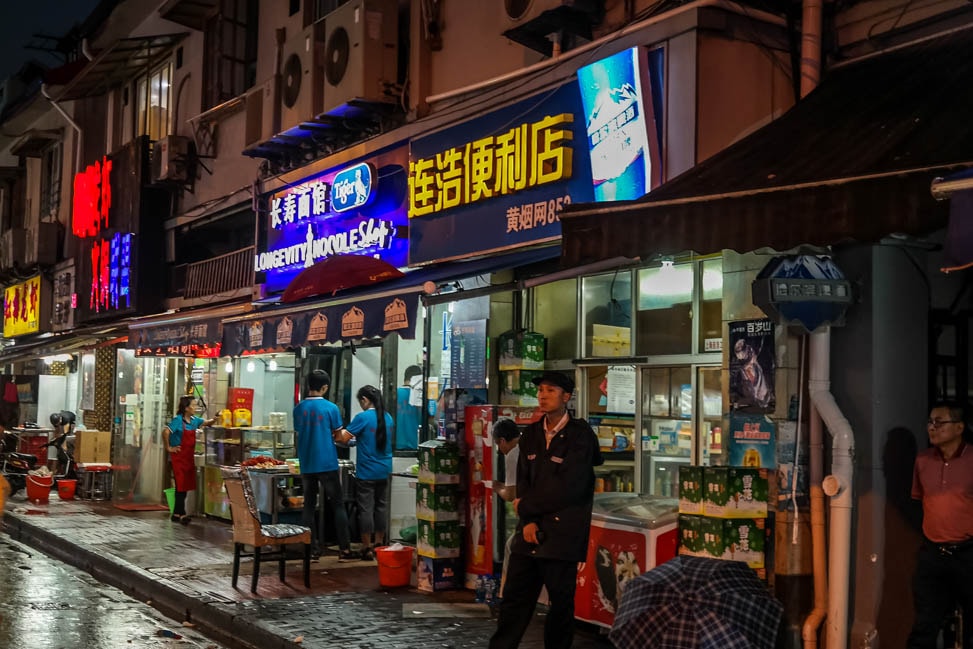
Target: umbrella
[(338, 272), (692, 602)]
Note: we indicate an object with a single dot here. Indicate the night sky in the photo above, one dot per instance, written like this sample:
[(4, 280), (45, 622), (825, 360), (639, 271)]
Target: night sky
[(19, 19)]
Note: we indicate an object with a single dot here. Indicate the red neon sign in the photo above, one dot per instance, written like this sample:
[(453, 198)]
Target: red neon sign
[(92, 199)]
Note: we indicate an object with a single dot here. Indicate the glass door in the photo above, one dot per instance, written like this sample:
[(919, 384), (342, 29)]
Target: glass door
[(681, 415)]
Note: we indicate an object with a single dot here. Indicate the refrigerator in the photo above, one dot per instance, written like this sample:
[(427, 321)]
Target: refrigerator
[(630, 534), (489, 521)]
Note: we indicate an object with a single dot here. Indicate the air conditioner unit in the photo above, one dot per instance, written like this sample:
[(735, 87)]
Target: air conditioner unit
[(531, 22), (42, 244), (170, 159), (361, 54), (260, 125), (13, 246), (302, 77)]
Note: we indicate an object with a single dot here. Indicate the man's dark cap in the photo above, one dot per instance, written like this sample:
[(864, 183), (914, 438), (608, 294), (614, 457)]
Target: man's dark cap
[(557, 379)]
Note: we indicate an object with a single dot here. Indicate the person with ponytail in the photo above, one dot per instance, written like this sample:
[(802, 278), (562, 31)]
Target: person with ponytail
[(372, 430)]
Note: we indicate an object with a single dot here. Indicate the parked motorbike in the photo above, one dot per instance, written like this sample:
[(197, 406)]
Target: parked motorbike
[(63, 423), (13, 465)]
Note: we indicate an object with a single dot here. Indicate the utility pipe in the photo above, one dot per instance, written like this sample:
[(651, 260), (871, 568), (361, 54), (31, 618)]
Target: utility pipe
[(74, 125), (749, 12), (838, 486), (819, 556), (811, 45)]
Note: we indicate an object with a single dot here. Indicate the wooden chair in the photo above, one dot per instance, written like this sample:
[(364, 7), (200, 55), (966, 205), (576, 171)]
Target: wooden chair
[(248, 530)]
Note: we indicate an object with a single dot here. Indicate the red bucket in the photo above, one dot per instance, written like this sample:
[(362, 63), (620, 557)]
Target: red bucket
[(39, 488), (66, 488), (394, 566)]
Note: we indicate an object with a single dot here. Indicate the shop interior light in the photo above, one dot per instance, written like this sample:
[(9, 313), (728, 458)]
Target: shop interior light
[(228, 367), (57, 358), (272, 365), (251, 366)]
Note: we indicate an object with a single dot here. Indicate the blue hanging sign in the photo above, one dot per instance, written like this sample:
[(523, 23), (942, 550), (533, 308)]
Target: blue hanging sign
[(352, 187)]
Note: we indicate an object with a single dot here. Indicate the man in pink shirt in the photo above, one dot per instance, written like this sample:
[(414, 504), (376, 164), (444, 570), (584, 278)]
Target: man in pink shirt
[(943, 481)]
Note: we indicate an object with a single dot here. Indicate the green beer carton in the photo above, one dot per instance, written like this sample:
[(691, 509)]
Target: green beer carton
[(521, 350), (439, 539), (690, 489), (690, 538), (439, 462), (735, 492), (437, 502), (745, 539)]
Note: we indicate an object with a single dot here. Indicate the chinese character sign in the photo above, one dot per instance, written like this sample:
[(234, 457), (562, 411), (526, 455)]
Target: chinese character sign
[(92, 199), (21, 308), (498, 181)]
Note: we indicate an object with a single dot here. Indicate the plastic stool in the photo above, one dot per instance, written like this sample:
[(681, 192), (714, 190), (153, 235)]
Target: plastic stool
[(95, 482)]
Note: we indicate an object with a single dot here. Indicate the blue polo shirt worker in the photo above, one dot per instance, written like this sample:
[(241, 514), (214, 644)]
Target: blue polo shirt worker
[(555, 489), (316, 422)]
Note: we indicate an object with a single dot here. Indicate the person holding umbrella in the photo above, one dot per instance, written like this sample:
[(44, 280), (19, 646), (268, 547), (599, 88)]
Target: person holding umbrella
[(555, 490)]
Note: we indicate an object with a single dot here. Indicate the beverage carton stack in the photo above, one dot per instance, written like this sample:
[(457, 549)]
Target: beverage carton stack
[(723, 512), (440, 535)]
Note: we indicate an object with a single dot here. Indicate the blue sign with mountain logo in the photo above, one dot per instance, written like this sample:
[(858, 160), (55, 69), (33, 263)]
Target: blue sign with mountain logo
[(352, 187)]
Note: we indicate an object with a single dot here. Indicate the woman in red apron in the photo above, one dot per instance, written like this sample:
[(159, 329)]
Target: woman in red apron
[(181, 436)]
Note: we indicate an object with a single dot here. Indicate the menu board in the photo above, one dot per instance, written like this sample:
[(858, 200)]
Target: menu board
[(468, 354)]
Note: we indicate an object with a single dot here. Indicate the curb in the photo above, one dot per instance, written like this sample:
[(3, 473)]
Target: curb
[(234, 631)]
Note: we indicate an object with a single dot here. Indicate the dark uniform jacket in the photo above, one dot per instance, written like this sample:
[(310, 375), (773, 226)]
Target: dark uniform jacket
[(556, 486)]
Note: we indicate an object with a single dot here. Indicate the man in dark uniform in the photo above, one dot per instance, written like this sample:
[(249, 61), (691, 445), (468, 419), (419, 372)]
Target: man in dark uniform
[(555, 488)]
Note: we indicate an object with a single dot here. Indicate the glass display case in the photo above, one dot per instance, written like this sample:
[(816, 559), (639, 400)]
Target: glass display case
[(229, 446)]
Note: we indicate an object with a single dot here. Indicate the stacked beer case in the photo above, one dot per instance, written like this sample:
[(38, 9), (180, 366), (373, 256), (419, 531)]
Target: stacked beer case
[(723, 514), (440, 534)]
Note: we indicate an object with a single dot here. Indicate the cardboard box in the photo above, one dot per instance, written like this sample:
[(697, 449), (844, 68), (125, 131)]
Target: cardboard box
[(439, 462), (439, 539), (517, 387), (521, 350), (739, 539), (438, 574), (690, 489), (607, 340), (735, 492), (92, 446), (690, 534), (437, 502)]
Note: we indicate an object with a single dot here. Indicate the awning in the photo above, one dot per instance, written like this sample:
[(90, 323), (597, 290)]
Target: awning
[(190, 13), (852, 161), (68, 342), (372, 312), (120, 62), (192, 332), (34, 142)]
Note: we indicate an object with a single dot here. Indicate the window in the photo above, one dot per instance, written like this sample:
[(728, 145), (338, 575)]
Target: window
[(607, 304), (231, 51), (153, 103), (665, 306), (51, 181)]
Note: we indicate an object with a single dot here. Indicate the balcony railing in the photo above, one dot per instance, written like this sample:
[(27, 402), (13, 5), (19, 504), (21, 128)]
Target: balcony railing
[(223, 274)]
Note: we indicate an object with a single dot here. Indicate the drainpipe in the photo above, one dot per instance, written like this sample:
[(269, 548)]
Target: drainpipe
[(811, 45), (838, 486), (74, 125), (819, 556)]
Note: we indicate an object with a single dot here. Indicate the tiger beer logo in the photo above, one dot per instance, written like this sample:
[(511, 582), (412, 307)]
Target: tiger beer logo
[(319, 328), (285, 330), (257, 334), (353, 323), (396, 316)]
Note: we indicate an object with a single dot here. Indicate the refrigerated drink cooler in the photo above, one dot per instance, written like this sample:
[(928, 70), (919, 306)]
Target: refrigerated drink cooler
[(630, 534)]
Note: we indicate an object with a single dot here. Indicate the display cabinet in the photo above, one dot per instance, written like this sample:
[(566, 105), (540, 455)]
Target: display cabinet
[(230, 446)]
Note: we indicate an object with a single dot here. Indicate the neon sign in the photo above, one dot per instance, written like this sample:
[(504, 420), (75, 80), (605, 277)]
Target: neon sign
[(352, 187), (92, 199), (526, 156), (111, 263)]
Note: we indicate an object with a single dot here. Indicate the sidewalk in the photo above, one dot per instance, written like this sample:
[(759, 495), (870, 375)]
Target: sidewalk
[(185, 572)]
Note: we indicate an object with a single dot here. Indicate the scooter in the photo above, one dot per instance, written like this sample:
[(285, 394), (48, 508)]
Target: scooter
[(13, 465)]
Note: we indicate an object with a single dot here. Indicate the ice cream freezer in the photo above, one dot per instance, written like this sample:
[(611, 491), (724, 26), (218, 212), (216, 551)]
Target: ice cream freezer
[(630, 534)]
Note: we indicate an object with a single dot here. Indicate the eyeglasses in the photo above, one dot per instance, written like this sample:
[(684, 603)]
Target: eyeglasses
[(939, 423)]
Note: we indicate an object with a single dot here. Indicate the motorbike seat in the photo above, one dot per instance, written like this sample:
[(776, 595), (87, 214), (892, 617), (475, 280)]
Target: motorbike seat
[(27, 457)]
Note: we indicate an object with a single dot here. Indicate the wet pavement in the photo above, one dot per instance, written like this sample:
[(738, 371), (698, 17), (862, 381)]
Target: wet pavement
[(49, 605), (185, 572)]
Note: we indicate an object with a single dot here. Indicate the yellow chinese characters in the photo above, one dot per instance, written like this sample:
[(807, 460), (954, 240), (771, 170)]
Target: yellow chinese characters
[(526, 156)]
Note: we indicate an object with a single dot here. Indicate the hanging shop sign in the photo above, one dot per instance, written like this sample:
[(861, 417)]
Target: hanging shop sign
[(344, 322), (200, 338), (25, 307), (359, 209), (65, 298), (117, 222), (618, 94), (804, 290), (499, 181)]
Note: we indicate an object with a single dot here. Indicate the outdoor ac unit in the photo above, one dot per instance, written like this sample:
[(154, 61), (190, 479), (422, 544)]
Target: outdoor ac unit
[(13, 245), (302, 77), (260, 126), (532, 22), (41, 244), (170, 159), (361, 54), (521, 11)]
